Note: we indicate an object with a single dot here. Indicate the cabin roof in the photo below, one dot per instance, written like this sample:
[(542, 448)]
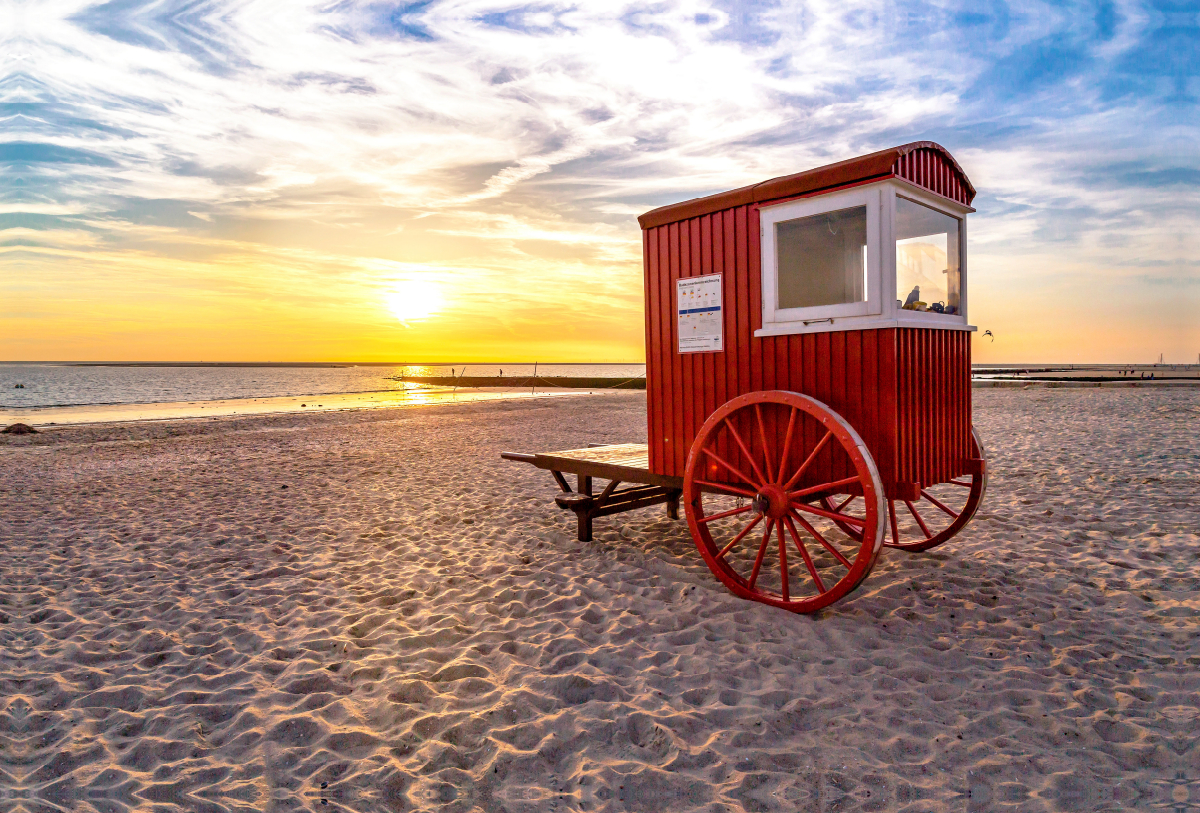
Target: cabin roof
[(902, 162)]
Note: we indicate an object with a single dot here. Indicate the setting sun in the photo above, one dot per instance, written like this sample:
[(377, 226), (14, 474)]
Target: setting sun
[(414, 299)]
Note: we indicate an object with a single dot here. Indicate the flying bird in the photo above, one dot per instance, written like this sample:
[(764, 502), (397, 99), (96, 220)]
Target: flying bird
[(988, 333)]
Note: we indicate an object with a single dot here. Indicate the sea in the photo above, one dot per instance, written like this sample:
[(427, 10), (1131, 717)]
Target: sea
[(46, 394), (86, 384)]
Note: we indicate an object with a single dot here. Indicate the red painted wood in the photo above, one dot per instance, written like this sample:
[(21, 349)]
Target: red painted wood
[(698, 383), (905, 390), (654, 350), (858, 412), (837, 366), (932, 170), (876, 418), (686, 399), (652, 312), (754, 297), (707, 367), (667, 337), (676, 453), (889, 395), (732, 386), (743, 303), (721, 360), (808, 382)]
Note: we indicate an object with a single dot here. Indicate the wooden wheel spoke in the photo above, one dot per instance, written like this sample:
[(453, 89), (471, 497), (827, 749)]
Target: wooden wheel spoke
[(812, 570), (787, 444), (783, 565), (859, 522), (731, 512), (762, 550), (930, 497), (837, 554), (895, 527), (722, 488), (816, 488), (745, 450), (740, 536), (762, 436), (804, 492), (912, 510), (961, 483), (732, 468), (808, 461)]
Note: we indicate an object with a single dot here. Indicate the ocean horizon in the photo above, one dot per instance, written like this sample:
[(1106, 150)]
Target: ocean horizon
[(29, 385), (77, 384)]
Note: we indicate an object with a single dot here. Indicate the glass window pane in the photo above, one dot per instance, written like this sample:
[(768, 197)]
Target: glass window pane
[(821, 260), (928, 274)]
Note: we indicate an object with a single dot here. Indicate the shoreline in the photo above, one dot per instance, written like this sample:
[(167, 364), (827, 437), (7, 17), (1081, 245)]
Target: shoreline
[(1075, 383), (87, 414), (426, 395), (62, 416)]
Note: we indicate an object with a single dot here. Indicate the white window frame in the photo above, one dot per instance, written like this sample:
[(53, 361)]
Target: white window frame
[(880, 309), (770, 216), (927, 318)]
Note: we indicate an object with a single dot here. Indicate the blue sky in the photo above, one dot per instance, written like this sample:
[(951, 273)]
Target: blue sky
[(261, 180)]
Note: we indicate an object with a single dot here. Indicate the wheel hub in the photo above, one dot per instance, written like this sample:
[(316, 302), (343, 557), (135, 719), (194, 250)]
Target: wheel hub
[(771, 501)]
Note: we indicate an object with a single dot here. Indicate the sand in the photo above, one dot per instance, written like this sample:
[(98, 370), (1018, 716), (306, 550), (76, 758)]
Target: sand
[(371, 611)]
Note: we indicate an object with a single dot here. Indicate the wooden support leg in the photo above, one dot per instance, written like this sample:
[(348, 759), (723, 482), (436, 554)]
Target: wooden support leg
[(584, 484), (585, 525), (673, 504)]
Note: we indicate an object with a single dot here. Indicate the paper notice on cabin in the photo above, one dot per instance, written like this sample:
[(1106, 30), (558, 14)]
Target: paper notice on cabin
[(698, 301)]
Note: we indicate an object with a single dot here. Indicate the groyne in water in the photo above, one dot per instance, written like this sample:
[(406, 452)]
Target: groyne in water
[(566, 382)]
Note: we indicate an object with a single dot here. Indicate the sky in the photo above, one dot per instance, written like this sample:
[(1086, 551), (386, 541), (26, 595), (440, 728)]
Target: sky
[(255, 180)]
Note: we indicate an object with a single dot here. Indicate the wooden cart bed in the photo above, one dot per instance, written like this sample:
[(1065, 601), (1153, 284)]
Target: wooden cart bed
[(620, 464)]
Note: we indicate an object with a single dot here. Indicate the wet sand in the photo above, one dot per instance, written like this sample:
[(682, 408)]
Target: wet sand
[(413, 396), (369, 610)]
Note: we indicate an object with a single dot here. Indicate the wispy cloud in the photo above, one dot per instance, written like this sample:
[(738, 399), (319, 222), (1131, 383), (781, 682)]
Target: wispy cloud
[(503, 148)]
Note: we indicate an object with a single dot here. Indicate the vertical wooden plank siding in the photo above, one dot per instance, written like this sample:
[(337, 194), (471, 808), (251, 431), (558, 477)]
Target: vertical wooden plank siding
[(697, 383), (720, 360), (675, 406), (706, 388), (905, 390), (930, 169), (743, 304), (654, 350), (685, 401), (667, 337), (732, 386), (934, 370)]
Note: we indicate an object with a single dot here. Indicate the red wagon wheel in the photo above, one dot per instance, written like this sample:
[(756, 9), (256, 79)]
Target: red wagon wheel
[(752, 489), (941, 512)]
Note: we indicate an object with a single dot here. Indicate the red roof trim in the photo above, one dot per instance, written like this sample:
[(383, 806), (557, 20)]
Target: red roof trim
[(876, 166)]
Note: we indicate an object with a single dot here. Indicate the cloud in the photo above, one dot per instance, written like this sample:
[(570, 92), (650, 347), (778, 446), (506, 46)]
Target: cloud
[(476, 133), (23, 153)]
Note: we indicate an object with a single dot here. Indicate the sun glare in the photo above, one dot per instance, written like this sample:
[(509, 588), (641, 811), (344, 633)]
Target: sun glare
[(414, 299)]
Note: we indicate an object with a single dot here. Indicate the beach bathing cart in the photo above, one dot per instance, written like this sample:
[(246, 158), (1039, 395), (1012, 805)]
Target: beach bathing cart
[(808, 377)]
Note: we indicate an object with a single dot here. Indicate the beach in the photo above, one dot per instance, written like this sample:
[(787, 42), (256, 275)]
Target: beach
[(368, 610)]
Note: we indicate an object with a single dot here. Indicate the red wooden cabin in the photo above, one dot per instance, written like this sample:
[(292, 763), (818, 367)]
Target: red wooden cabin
[(808, 372), (902, 378)]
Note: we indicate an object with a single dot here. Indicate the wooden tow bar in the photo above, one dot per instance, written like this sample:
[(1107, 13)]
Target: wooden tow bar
[(808, 377)]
